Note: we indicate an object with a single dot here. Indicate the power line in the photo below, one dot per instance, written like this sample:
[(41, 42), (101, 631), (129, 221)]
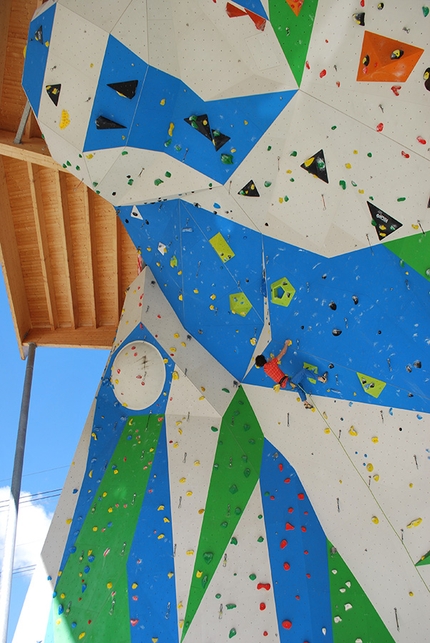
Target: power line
[(36, 473)]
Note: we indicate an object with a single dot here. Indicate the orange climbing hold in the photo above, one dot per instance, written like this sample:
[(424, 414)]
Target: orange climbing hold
[(378, 63), (296, 5)]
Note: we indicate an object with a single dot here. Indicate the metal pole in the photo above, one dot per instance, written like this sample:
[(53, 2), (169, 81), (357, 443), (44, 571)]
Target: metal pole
[(15, 490)]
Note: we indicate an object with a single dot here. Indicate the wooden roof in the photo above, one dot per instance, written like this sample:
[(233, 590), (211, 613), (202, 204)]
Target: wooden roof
[(66, 258)]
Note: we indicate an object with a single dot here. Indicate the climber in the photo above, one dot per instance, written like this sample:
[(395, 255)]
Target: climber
[(271, 368)]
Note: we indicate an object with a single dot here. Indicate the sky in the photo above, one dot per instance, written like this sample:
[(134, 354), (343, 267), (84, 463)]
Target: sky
[(64, 384)]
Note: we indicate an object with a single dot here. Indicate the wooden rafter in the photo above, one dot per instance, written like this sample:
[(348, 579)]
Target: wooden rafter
[(117, 264), (9, 256), (42, 240), (60, 188), (92, 254), (33, 151), (83, 337)]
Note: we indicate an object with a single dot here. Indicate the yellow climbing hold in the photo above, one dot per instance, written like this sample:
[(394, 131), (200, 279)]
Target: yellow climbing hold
[(62, 595), (171, 128), (172, 349), (182, 480), (190, 552), (325, 416), (411, 484), (195, 291), (163, 101), (89, 156), (183, 344), (213, 296), (202, 397), (165, 519), (369, 467), (411, 593), (181, 624), (134, 585), (189, 493), (415, 523), (169, 574), (175, 446), (375, 520), (253, 341), (180, 431), (196, 463), (327, 430), (180, 297), (68, 521), (104, 494), (375, 439), (376, 477), (160, 508), (109, 585), (199, 574), (175, 375), (353, 431), (95, 528), (211, 307), (201, 511), (160, 536), (180, 605), (64, 120), (154, 639), (348, 166), (81, 635), (110, 510)]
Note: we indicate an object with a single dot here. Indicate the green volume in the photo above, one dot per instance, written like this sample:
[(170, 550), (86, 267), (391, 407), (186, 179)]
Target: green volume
[(236, 470), (413, 250)]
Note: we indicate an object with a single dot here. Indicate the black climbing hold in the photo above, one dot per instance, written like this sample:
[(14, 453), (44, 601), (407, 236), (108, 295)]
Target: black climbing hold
[(105, 123), (409, 368), (331, 365), (249, 189), (355, 299), (379, 332), (219, 139), (38, 35), (126, 88), (417, 364), (380, 6), (410, 395), (426, 77), (324, 276), (316, 165), (336, 332), (332, 305), (201, 124), (366, 61), (384, 224), (359, 18), (53, 93)]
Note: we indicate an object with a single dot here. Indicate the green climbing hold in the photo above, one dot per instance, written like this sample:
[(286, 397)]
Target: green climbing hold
[(227, 159), (158, 181), (269, 147), (124, 153), (217, 595), (226, 390), (401, 198), (267, 184), (233, 488), (78, 168), (216, 465), (369, 154), (426, 11), (245, 457), (230, 606), (232, 633), (168, 142), (354, 184), (208, 557), (130, 181), (205, 579), (334, 126), (260, 516), (260, 539), (251, 441), (246, 427), (233, 541), (247, 472), (293, 153), (214, 429), (178, 148), (224, 524), (95, 184), (252, 576), (238, 511), (68, 163), (168, 174)]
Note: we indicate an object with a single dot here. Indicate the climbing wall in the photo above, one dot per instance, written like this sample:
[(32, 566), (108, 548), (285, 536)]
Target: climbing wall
[(270, 162)]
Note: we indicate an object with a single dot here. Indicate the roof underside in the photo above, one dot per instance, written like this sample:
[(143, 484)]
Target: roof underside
[(66, 258)]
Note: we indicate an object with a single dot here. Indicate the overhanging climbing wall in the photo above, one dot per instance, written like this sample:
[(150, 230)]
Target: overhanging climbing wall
[(270, 162)]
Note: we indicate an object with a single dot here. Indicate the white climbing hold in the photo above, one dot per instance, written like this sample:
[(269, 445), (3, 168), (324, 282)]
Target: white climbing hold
[(334, 571), (348, 583), (342, 590), (348, 606), (337, 619), (324, 631)]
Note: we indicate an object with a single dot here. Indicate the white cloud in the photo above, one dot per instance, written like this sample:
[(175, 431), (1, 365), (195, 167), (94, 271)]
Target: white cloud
[(33, 525)]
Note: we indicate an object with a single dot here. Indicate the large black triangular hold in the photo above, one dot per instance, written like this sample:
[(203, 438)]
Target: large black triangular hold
[(38, 35), (201, 124), (316, 165), (219, 139), (54, 93), (382, 221), (249, 189), (127, 88), (106, 123)]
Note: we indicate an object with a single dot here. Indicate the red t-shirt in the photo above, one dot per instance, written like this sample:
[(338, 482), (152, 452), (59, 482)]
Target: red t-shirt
[(272, 370)]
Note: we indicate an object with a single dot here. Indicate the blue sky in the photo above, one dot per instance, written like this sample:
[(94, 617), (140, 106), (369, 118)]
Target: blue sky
[(64, 384)]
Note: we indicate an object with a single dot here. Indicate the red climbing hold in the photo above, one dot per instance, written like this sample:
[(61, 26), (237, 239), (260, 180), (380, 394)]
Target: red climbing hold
[(380, 127), (306, 552), (405, 154), (287, 480), (303, 529), (265, 633), (287, 624), (262, 606), (301, 496), (297, 597), (421, 140), (281, 466), (308, 65), (362, 3), (308, 575), (287, 566), (283, 544), (289, 526), (265, 586), (272, 497), (323, 73), (396, 89), (134, 621)]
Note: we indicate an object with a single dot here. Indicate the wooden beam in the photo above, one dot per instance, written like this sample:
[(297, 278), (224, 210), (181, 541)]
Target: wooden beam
[(42, 241), (83, 337), (5, 9), (32, 151), (92, 254), (60, 189), (118, 265), (11, 265)]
